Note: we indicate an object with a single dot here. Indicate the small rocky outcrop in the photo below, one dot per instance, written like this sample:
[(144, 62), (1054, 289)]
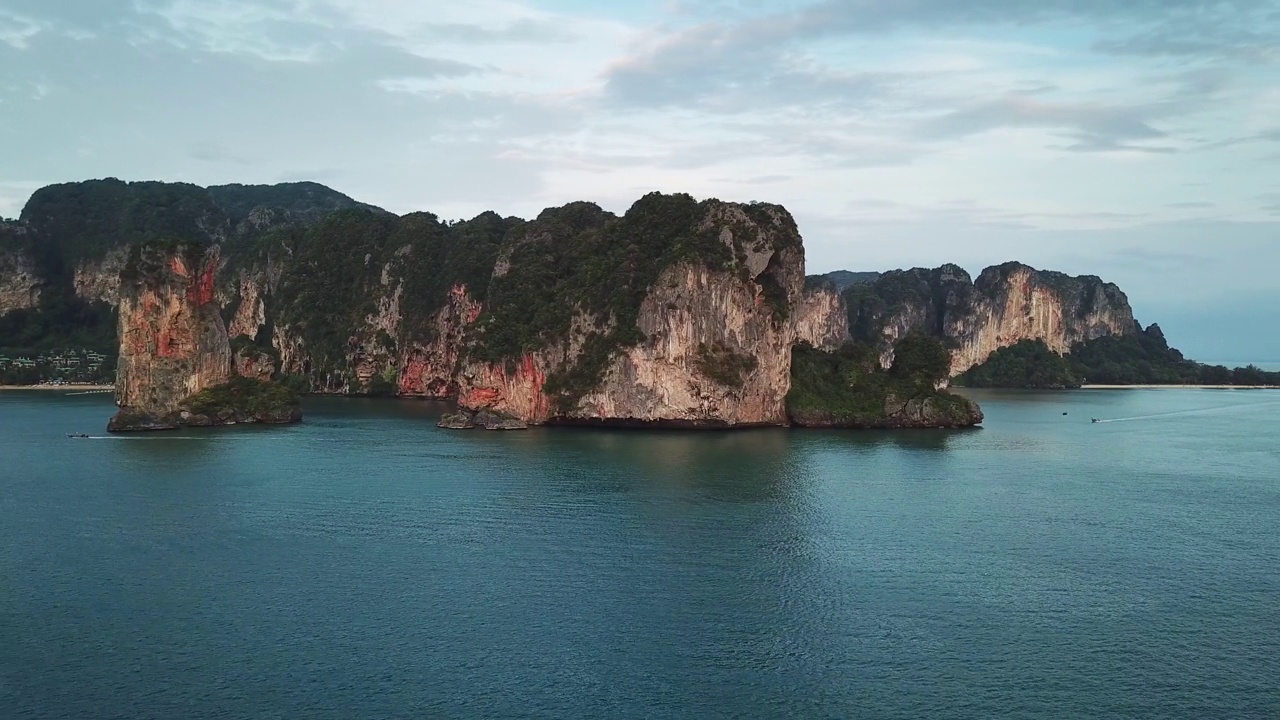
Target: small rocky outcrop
[(936, 411), (250, 361), (468, 419), (237, 402), (847, 388)]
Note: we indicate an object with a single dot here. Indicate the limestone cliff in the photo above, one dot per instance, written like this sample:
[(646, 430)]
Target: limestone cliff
[(173, 343), (20, 281), (175, 365), (98, 280), (428, 366), (253, 363), (677, 312), (1008, 304), (707, 344)]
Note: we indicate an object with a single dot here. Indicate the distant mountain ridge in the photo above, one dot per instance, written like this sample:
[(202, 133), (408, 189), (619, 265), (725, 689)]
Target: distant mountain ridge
[(841, 280), (1007, 304), (60, 262)]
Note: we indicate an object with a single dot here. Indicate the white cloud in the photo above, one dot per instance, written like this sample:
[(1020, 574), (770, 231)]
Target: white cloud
[(236, 27), (16, 30), (897, 132)]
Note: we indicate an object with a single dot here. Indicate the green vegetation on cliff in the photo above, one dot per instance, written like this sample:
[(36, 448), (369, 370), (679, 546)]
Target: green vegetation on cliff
[(839, 280), (1145, 358), (149, 259), (848, 388), (581, 259), (302, 203), (725, 366), (60, 319), (86, 220), (246, 397), (1142, 358), (1027, 364), (923, 296), (75, 225), (337, 268)]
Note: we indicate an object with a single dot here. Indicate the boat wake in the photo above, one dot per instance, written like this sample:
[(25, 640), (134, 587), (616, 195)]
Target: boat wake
[(167, 437), (1182, 413)]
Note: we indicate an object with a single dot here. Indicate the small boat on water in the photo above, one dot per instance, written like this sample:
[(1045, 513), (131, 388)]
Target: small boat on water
[(77, 435), (1096, 420)]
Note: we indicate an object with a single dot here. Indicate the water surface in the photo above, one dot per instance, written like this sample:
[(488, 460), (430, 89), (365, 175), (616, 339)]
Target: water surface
[(365, 564)]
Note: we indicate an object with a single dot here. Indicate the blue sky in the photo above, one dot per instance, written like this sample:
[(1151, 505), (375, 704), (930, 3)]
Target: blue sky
[(1135, 140)]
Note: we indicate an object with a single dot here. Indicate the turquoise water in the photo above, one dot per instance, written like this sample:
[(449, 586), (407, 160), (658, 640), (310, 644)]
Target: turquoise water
[(366, 565)]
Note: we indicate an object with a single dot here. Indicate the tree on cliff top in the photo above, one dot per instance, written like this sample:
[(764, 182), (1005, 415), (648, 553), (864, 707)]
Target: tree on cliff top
[(1027, 364), (921, 359), (849, 388), (581, 259)]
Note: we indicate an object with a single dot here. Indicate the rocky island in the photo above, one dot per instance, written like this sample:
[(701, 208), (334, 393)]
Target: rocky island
[(677, 313), (1018, 327), (175, 359), (227, 301)]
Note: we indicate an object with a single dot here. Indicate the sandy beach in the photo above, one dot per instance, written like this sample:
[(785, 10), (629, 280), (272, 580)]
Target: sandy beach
[(64, 388), (1180, 387)]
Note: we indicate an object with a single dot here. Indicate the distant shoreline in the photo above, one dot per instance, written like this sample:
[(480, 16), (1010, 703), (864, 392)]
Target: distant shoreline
[(1180, 387), (78, 388)]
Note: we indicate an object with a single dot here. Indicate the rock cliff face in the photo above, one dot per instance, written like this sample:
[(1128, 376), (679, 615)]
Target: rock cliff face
[(98, 280), (173, 343), (250, 362), (20, 280), (428, 367), (712, 341), (176, 367), (1008, 304), (677, 312)]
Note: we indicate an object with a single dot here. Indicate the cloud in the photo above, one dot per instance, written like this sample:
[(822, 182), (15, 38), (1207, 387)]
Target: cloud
[(16, 30), (1095, 126), (1240, 31), (735, 50), (519, 31), (270, 30), (897, 131), (14, 194), (760, 179)]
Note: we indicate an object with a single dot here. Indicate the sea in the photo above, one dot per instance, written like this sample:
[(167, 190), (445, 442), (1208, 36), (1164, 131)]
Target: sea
[(364, 564)]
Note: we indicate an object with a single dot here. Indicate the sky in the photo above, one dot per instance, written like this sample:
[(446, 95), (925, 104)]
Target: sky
[(1137, 140)]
